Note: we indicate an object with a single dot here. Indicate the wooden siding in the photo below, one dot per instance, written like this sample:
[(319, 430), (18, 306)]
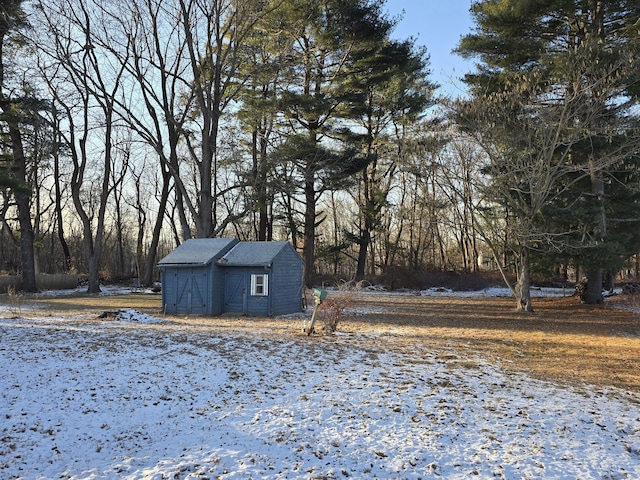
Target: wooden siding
[(286, 282), (217, 290), (192, 283), (258, 305), (186, 290), (235, 290)]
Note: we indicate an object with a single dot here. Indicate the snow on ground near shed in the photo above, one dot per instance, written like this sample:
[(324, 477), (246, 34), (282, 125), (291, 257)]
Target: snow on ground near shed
[(141, 398)]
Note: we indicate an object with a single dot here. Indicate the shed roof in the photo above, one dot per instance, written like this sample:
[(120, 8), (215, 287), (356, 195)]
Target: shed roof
[(246, 254), (198, 251)]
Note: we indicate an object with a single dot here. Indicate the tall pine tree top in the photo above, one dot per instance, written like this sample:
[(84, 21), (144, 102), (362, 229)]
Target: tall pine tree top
[(548, 37)]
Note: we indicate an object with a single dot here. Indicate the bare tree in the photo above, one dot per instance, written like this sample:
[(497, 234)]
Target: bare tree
[(152, 54), (58, 189), (139, 201), (396, 95), (458, 173), (76, 64), (214, 35), (184, 58), (119, 172)]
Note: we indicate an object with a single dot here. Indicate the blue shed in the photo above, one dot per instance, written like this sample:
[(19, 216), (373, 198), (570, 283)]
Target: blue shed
[(262, 279), (192, 281), (210, 276)]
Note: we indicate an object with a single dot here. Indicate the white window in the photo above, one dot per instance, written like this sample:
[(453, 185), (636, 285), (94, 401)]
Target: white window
[(260, 285)]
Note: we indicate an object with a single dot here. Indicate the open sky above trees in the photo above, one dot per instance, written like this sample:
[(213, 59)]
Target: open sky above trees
[(437, 25)]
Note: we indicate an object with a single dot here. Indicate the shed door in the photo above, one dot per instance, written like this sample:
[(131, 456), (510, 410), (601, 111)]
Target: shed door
[(191, 291), (235, 291)]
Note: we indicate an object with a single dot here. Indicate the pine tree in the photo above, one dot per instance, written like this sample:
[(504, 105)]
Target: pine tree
[(15, 111), (336, 44), (396, 94), (584, 52)]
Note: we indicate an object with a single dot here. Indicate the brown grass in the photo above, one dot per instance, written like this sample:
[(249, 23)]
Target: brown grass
[(561, 341), (81, 303)]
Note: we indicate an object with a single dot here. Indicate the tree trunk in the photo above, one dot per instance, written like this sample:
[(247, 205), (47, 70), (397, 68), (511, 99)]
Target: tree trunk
[(207, 168), (157, 229), (309, 227), (22, 196), (184, 223), (93, 264), (363, 248), (66, 254), (260, 174), (119, 227), (140, 246), (593, 293), (523, 282)]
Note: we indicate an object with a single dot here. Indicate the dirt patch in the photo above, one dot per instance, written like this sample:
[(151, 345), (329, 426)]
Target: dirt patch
[(561, 341)]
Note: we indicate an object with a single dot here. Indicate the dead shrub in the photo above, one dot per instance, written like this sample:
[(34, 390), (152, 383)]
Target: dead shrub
[(332, 309), (15, 301)]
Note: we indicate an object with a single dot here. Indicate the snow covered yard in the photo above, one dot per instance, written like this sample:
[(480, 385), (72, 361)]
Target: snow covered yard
[(139, 397)]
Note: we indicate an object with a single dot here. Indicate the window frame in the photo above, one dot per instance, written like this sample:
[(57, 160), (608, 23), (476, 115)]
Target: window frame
[(256, 285)]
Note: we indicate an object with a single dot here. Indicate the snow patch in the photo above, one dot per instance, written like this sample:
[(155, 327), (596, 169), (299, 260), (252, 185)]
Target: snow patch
[(81, 401)]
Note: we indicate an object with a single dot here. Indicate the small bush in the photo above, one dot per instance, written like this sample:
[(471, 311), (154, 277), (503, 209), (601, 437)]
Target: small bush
[(15, 302)]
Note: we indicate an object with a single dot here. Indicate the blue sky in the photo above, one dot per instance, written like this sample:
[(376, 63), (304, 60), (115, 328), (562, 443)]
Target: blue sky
[(438, 25)]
